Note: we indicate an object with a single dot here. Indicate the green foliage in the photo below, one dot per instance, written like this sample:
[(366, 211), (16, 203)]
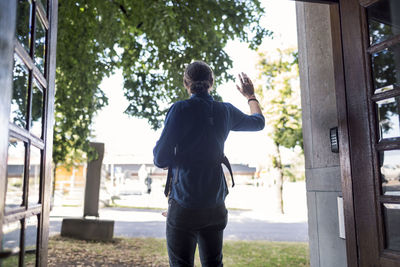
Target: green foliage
[(151, 42), (20, 94), (280, 97), (265, 253), (385, 74), (289, 174)]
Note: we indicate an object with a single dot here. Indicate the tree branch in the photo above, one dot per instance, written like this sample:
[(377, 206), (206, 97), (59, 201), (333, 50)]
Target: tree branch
[(121, 7)]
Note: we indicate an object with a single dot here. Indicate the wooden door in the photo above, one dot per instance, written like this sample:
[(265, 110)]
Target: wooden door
[(371, 54), (28, 111)]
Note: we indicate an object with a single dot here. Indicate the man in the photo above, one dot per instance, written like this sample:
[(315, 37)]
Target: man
[(191, 146)]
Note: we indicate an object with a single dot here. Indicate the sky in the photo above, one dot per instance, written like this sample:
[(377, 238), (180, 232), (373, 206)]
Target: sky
[(131, 140)]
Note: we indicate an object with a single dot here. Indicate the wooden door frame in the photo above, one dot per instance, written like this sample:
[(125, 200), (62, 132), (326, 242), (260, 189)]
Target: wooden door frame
[(48, 133), (361, 154), (344, 135), (356, 133), (319, 1), (344, 125), (8, 11)]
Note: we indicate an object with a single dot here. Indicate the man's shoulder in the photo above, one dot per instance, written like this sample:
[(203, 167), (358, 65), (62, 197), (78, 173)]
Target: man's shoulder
[(226, 105), (182, 104), (178, 105), (191, 103)]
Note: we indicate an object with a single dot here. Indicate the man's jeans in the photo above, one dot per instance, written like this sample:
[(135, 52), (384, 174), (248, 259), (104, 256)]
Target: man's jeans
[(188, 227)]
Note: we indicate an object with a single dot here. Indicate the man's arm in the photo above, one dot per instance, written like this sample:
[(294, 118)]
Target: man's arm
[(246, 88), (164, 150), (243, 122), (254, 105)]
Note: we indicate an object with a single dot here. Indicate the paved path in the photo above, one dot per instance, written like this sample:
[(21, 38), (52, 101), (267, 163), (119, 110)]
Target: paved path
[(242, 225)]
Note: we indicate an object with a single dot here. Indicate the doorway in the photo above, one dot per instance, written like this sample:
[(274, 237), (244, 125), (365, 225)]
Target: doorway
[(28, 130), (371, 61)]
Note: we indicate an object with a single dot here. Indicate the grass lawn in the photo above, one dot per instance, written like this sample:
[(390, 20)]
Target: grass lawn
[(153, 252)]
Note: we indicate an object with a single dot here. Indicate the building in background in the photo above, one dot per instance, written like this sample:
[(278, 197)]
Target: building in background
[(120, 179)]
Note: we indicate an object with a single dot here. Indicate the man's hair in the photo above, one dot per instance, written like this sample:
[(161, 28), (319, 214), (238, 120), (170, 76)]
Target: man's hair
[(198, 77)]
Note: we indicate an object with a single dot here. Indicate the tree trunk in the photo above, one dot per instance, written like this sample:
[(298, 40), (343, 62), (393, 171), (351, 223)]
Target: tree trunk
[(279, 181), (54, 186)]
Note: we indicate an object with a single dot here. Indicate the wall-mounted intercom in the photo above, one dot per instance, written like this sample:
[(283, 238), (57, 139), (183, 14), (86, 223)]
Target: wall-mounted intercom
[(333, 134)]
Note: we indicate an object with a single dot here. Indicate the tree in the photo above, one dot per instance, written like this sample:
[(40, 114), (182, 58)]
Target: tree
[(150, 41), (280, 98)]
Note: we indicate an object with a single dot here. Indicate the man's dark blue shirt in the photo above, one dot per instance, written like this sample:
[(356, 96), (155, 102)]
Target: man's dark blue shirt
[(192, 144)]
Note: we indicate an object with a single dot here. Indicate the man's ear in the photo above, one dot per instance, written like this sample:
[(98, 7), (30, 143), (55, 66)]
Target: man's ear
[(212, 85), (185, 83)]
